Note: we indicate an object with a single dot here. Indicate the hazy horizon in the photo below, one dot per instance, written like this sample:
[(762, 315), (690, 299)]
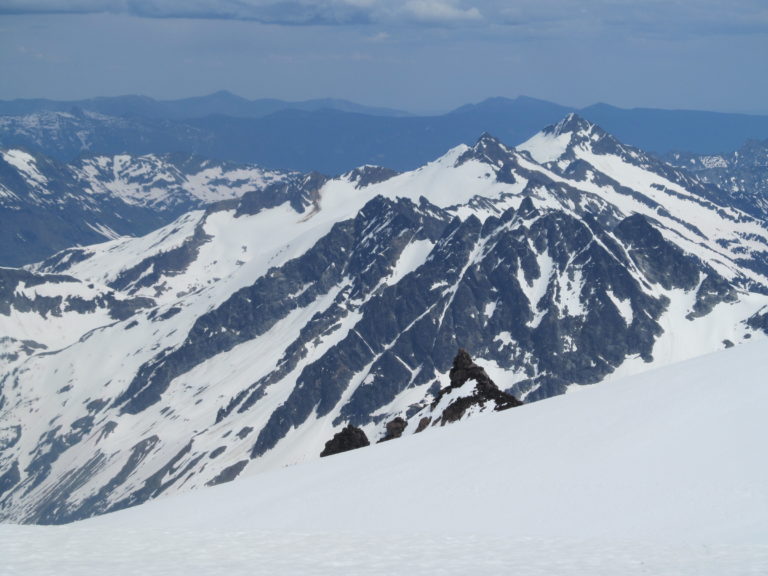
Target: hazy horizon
[(435, 112), (423, 56)]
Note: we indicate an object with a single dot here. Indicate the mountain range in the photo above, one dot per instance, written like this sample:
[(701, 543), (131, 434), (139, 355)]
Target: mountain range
[(244, 335), (331, 136), (741, 176), (46, 206), (221, 103)]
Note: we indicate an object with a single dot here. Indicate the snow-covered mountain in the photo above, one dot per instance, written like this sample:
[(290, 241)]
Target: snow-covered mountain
[(65, 135), (168, 183), (264, 326), (659, 474), (741, 177), (46, 206)]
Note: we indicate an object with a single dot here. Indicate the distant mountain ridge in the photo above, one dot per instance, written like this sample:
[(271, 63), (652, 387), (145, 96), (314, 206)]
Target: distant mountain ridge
[(741, 176), (47, 206), (332, 136), (219, 103)]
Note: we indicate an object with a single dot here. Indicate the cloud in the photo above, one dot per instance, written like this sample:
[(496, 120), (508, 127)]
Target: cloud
[(379, 37), (53, 7), (440, 11), (267, 11), (284, 12), (532, 16), (694, 17)]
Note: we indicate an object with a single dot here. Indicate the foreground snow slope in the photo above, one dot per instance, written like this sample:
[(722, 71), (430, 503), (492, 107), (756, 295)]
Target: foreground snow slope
[(660, 473)]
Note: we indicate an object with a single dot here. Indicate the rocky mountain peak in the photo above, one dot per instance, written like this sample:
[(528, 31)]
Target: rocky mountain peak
[(491, 151), (527, 209), (572, 123), (487, 149), (567, 139)]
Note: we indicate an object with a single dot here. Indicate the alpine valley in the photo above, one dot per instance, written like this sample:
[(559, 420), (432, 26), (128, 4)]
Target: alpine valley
[(246, 333)]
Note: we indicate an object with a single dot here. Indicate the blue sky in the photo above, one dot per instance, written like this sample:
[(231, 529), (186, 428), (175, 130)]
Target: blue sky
[(418, 55)]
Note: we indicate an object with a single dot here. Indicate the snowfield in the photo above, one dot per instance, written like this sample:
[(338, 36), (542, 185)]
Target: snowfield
[(659, 473)]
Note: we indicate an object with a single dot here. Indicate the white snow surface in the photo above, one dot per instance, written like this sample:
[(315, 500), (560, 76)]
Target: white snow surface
[(546, 147), (26, 164), (661, 473), (152, 180)]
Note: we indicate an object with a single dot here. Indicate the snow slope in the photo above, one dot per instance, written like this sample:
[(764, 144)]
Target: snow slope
[(606, 480), (165, 182)]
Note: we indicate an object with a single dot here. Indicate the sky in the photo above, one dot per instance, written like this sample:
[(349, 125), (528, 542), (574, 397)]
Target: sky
[(416, 55)]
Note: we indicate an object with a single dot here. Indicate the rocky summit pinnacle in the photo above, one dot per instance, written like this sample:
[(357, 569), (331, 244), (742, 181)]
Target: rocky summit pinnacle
[(486, 390), (571, 123), (459, 399)]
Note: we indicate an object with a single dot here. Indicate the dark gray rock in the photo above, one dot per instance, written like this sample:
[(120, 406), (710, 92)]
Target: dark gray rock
[(661, 261), (10, 478), (350, 438), (713, 290), (216, 452), (300, 190), (367, 175), (229, 473), (394, 429), (759, 321), (485, 391)]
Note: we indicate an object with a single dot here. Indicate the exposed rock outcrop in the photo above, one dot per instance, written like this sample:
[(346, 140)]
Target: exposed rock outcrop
[(394, 429), (350, 438), (453, 402)]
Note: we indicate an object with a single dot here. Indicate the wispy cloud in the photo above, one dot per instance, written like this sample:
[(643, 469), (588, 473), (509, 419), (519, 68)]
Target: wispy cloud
[(440, 11), (661, 16), (283, 12), (291, 12), (379, 37), (23, 50), (642, 16)]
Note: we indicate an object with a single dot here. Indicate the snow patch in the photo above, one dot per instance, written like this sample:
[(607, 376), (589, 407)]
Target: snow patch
[(623, 306), (412, 257), (26, 164), (546, 147)]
